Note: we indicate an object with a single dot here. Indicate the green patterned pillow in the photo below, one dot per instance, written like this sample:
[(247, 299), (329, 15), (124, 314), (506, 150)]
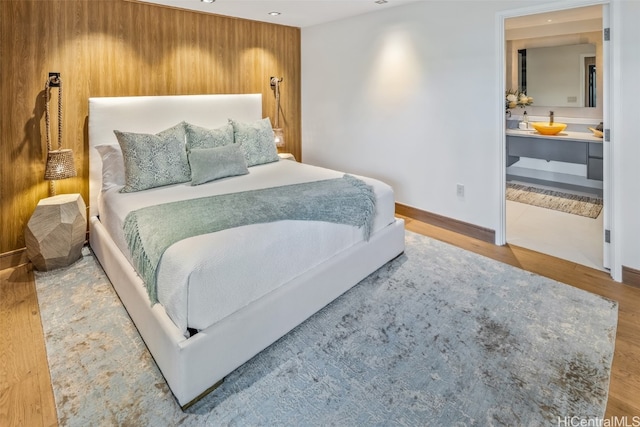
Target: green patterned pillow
[(199, 137), (209, 164), (154, 160), (257, 141)]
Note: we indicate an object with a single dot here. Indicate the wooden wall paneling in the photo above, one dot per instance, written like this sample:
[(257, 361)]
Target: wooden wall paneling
[(198, 62), (120, 48), (290, 100), (21, 109), (269, 67), (69, 54), (292, 110)]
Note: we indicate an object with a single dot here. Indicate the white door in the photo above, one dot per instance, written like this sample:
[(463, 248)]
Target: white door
[(606, 73)]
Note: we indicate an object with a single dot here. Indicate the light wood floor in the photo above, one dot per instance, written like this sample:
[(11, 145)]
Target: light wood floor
[(26, 396)]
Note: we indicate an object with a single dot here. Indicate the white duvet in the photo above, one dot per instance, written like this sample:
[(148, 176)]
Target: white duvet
[(206, 278)]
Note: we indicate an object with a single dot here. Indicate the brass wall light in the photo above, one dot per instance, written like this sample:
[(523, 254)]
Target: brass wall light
[(278, 133)]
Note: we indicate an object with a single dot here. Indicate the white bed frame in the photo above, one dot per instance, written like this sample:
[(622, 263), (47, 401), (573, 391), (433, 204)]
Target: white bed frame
[(193, 366)]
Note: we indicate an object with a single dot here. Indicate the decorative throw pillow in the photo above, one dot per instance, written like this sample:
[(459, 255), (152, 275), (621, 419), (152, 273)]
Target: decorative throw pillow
[(257, 141), (199, 137), (209, 164), (112, 166), (154, 160)]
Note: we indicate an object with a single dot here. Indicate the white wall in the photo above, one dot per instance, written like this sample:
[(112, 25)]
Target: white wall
[(409, 94), (406, 95)]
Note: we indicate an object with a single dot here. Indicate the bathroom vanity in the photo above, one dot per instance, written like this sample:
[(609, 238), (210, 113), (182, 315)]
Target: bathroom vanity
[(576, 148)]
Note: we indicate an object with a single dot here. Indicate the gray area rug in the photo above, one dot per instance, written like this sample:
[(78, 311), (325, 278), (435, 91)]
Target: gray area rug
[(564, 202), (439, 336)]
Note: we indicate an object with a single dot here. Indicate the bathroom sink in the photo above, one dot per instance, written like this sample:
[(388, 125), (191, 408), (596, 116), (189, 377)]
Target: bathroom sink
[(546, 128)]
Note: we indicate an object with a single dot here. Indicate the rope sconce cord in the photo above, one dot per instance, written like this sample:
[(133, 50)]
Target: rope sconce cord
[(53, 81), (60, 163)]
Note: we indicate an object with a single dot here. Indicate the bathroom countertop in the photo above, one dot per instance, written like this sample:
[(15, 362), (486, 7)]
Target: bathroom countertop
[(567, 135)]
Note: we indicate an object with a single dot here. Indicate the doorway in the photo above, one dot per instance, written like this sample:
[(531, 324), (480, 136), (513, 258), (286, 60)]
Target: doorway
[(548, 230)]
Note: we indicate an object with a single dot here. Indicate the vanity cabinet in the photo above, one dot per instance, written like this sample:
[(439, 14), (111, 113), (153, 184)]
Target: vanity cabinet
[(594, 161), (570, 147), (547, 149)]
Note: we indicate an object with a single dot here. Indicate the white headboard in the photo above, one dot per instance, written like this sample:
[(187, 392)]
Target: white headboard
[(152, 114)]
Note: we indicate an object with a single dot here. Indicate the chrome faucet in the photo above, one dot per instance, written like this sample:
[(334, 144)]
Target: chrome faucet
[(550, 117)]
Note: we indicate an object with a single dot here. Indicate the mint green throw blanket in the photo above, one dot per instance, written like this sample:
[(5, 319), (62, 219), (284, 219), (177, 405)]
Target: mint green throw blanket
[(150, 231)]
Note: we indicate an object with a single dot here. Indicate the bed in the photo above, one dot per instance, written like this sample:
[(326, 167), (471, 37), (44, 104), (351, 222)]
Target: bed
[(225, 295)]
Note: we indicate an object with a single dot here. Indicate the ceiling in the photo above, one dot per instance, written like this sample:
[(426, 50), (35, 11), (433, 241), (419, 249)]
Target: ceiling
[(295, 13), (550, 24), (558, 17), (305, 13)]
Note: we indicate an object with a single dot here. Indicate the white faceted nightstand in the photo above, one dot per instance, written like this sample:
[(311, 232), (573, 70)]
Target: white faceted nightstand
[(287, 156), (56, 231)]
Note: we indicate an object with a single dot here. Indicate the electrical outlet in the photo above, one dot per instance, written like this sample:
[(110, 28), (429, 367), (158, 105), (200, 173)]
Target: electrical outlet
[(460, 190)]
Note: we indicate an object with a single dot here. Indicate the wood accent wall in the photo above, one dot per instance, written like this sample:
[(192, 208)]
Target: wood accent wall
[(120, 48)]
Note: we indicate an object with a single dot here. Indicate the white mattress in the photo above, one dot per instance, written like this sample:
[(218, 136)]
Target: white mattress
[(206, 278)]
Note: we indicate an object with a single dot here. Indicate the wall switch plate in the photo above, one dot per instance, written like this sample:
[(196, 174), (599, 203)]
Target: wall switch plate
[(460, 190)]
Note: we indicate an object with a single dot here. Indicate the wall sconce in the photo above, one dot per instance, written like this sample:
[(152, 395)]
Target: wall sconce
[(60, 163), (278, 133)]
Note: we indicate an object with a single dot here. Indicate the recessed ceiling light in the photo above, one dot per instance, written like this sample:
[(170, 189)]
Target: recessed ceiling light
[(274, 13), (381, 1), (207, 1)]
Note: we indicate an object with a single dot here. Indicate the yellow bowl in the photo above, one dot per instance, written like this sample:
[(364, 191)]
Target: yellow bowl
[(546, 128)]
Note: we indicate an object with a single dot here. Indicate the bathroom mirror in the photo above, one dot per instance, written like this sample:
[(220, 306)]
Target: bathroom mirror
[(559, 76)]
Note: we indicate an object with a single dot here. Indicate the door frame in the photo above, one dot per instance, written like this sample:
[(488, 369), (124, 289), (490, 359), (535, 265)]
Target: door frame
[(611, 250)]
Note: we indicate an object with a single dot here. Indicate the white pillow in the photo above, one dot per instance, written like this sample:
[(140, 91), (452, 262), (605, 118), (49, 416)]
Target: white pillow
[(112, 166)]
